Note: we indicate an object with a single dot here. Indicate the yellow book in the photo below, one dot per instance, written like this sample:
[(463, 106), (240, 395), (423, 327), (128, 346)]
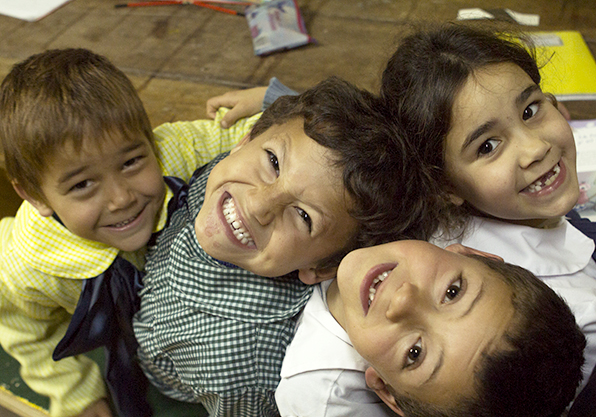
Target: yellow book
[(568, 67)]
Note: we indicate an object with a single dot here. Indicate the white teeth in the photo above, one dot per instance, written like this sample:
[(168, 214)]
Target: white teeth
[(373, 287), (229, 211), (125, 222), (540, 183)]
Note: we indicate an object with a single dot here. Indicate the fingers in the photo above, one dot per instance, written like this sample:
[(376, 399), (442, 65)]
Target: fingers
[(237, 112), (225, 100), (242, 103)]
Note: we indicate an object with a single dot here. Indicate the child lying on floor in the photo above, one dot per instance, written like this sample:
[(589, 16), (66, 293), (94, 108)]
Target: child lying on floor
[(225, 282), (80, 151)]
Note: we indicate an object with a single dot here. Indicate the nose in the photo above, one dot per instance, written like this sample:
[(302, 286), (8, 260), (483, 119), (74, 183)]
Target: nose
[(265, 202), (532, 148), (405, 301), (120, 195)]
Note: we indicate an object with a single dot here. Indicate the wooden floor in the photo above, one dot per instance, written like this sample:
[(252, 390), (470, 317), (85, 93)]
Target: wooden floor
[(179, 56)]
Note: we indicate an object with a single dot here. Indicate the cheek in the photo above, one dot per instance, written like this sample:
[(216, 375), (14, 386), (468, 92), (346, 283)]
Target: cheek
[(152, 183), (80, 219)]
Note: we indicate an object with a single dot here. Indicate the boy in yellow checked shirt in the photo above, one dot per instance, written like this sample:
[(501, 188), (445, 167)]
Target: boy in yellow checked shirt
[(80, 151)]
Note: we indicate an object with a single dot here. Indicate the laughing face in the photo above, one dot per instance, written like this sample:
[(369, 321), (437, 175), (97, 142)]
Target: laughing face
[(421, 316), (109, 191), (510, 153), (275, 205)]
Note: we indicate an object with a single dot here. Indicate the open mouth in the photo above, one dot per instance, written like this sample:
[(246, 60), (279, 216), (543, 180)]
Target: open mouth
[(372, 290), (125, 222), (229, 212), (544, 181)]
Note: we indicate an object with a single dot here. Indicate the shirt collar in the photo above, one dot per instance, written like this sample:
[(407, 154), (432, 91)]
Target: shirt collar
[(47, 246), (560, 250)]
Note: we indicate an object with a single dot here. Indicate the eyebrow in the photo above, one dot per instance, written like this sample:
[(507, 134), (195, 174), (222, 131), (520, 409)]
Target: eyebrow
[(439, 364), (286, 146), (485, 127), (435, 371), (475, 301), (524, 95), (481, 130)]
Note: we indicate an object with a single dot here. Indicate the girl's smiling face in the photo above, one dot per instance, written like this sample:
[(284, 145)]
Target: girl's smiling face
[(510, 153)]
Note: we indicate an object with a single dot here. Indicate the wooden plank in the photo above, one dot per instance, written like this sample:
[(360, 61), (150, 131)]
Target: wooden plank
[(356, 52), (20, 406), (172, 100), (27, 38), (15, 395)]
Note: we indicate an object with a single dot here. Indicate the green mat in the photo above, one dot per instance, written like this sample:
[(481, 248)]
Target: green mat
[(162, 405)]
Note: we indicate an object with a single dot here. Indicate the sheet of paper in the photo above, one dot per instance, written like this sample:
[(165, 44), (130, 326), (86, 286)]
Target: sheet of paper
[(30, 10), (524, 18), (507, 14), (584, 132)]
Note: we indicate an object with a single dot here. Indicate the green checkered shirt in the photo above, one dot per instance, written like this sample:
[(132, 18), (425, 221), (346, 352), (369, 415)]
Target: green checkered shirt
[(211, 333)]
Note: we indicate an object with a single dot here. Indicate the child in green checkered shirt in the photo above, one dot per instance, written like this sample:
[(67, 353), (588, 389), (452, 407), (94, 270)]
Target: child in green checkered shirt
[(225, 282)]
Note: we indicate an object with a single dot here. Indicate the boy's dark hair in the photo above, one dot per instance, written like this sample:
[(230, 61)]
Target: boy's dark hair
[(389, 189), (538, 368), (429, 68), (58, 96)]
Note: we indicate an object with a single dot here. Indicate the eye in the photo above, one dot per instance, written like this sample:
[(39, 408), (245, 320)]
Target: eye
[(530, 111), (413, 354), (488, 146), (132, 161), (273, 161), (82, 185), (305, 217), (453, 291)]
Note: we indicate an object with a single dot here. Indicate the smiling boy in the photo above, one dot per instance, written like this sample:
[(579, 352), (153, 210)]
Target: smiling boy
[(277, 210), (440, 333), (109, 192), (221, 293), (80, 151)]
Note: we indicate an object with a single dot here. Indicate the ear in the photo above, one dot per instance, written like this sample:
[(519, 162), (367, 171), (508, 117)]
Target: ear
[(452, 195), (242, 142), (311, 276), (376, 383), (43, 208), (455, 199), (465, 250)]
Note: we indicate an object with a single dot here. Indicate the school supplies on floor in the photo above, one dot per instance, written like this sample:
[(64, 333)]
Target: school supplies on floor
[(29, 10), (206, 4), (275, 26), (568, 67), (584, 132)]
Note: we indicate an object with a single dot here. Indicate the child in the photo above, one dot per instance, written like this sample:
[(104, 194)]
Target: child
[(417, 118), (471, 103), (321, 174), (440, 334), (80, 151)]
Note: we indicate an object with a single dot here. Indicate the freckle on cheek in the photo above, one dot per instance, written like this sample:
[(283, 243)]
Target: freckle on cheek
[(211, 226)]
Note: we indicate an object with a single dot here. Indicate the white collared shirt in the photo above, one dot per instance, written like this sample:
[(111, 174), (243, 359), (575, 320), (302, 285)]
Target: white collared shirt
[(322, 374)]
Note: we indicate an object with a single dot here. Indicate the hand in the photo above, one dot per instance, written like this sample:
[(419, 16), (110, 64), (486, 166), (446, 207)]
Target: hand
[(99, 408), (242, 103)]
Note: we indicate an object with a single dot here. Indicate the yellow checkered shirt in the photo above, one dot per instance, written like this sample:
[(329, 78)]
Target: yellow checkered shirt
[(42, 265)]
